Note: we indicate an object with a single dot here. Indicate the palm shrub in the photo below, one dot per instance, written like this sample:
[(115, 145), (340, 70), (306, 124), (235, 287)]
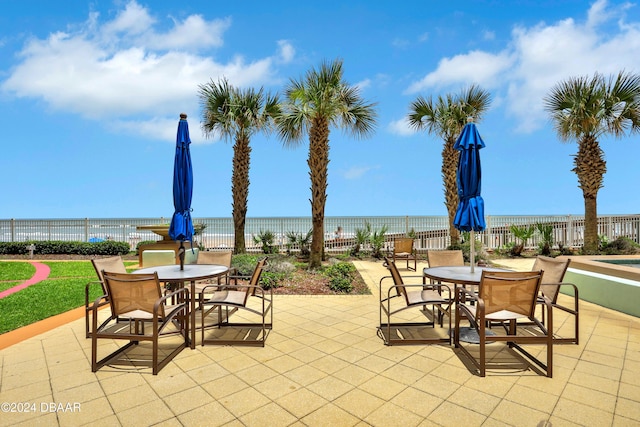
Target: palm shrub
[(377, 240), (266, 240), (523, 234), (546, 236), (299, 240), (362, 237)]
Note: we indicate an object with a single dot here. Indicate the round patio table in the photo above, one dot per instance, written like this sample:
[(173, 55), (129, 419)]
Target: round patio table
[(458, 274), (191, 273)]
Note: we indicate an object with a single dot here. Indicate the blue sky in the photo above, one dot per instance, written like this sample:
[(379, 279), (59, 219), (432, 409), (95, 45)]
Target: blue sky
[(91, 91)]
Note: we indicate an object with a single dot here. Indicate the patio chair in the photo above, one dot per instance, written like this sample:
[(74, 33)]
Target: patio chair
[(444, 258), (138, 299), (552, 280), (219, 258), (397, 327), (114, 264), (403, 249), (505, 298), (249, 302)]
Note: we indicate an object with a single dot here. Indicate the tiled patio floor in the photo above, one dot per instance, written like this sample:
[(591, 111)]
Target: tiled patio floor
[(323, 364)]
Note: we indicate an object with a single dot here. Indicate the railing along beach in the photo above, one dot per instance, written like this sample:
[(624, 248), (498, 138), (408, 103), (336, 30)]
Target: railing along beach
[(430, 232)]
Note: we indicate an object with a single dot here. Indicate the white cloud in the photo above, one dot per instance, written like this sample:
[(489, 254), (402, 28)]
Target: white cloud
[(541, 56), (474, 67), (287, 51), (357, 172), (363, 84), (125, 69), (401, 127), (162, 129), (488, 35)]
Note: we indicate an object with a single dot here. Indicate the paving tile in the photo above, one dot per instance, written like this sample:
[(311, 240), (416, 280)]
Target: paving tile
[(596, 399), (628, 409), (302, 402), (330, 416), (417, 401), (277, 387), (330, 387), (512, 413), (582, 413), (531, 398), (225, 386), (449, 414), (244, 401), (271, 413), (212, 414)]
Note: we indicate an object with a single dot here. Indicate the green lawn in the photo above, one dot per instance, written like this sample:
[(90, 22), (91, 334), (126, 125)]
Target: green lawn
[(62, 291)]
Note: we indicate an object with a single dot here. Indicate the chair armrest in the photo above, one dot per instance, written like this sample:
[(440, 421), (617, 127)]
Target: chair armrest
[(99, 302), (171, 294), (576, 299), (421, 286), (86, 290), (463, 294)]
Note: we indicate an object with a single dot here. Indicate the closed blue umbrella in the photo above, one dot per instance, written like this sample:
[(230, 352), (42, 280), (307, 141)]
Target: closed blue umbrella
[(181, 228), (470, 213)]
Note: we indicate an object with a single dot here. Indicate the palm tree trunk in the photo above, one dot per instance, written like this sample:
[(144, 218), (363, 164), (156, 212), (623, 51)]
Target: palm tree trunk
[(590, 167), (450, 158), (591, 240), (318, 166), (240, 190)]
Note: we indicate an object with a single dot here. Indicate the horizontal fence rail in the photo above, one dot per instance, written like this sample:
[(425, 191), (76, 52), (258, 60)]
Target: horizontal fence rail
[(430, 232)]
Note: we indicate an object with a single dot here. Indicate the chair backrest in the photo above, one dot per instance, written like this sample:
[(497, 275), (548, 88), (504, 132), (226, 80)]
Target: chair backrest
[(554, 270), (255, 278), (445, 258), (514, 291), (219, 258), (131, 292), (113, 264), (403, 245), (397, 279)]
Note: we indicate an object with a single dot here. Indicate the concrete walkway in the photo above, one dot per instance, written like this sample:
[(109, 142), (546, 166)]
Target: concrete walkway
[(324, 365)]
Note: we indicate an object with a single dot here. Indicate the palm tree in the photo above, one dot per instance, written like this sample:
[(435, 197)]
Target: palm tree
[(446, 117), (584, 109), (312, 105), (237, 114)]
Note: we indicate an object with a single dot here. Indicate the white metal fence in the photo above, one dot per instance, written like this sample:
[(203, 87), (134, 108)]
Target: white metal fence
[(431, 232)]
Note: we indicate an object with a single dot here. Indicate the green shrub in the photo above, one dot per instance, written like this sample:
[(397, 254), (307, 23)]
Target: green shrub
[(341, 276), (244, 263), (270, 279), (621, 246), (59, 247)]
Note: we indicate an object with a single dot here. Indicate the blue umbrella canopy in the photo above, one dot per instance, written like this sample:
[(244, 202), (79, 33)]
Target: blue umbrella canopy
[(470, 213), (181, 227)]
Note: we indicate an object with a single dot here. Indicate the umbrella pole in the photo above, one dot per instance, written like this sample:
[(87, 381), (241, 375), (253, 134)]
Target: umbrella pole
[(472, 255), (181, 254)]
